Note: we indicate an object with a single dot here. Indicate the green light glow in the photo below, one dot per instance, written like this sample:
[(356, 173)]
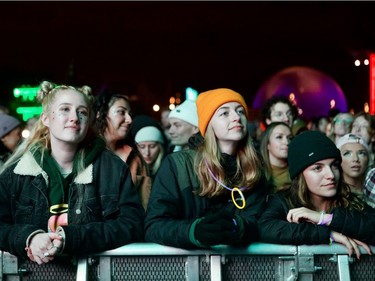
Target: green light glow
[(28, 112), (26, 93)]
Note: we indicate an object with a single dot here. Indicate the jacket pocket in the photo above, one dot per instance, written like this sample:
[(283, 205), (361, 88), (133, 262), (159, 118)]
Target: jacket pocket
[(110, 206)]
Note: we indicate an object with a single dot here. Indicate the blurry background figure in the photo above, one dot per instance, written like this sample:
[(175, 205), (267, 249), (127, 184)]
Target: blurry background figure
[(164, 121), (113, 121), (364, 126), (4, 109), (184, 124), (274, 150), (10, 136), (298, 127), (279, 109), (323, 124), (150, 140), (29, 127), (355, 158), (340, 126)]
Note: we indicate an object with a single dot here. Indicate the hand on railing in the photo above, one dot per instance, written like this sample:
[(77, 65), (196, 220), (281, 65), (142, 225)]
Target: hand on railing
[(43, 247), (351, 244)]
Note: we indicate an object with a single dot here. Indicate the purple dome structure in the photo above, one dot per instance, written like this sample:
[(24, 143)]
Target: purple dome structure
[(314, 92)]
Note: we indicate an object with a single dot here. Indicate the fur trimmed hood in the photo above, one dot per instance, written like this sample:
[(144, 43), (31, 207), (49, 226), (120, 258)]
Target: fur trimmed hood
[(27, 166)]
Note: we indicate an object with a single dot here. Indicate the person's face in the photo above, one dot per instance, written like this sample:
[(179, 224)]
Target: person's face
[(322, 178), (12, 139), (164, 119), (360, 128), (68, 119), (149, 150), (180, 131), (354, 160), (281, 112), (342, 124), (118, 120), (278, 142), (229, 124), (322, 126)]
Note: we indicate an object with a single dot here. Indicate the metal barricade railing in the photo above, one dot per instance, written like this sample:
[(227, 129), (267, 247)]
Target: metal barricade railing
[(148, 261)]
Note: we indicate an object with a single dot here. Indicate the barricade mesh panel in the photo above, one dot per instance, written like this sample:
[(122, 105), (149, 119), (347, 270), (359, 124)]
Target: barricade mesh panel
[(363, 269), (204, 269), (58, 270), (148, 268), (249, 268)]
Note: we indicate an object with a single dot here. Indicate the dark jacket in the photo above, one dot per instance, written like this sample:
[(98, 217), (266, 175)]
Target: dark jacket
[(174, 205), (104, 208), (274, 228)]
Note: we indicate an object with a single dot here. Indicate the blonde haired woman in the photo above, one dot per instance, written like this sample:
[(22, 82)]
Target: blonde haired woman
[(62, 192)]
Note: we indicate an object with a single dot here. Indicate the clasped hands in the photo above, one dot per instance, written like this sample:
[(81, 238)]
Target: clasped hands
[(44, 247)]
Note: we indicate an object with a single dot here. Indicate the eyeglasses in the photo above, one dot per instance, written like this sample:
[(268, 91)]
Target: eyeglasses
[(280, 114)]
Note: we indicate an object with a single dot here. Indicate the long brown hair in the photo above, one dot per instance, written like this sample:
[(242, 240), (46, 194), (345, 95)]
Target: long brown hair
[(298, 195), (248, 168)]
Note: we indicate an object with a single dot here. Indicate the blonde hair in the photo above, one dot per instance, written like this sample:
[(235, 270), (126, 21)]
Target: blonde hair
[(248, 169), (39, 136)]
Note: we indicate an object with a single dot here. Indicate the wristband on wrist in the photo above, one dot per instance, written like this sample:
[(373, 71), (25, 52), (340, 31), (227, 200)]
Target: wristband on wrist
[(331, 240), (325, 218)]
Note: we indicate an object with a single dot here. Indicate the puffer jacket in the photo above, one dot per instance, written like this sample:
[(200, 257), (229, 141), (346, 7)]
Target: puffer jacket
[(174, 204), (104, 212), (274, 228)]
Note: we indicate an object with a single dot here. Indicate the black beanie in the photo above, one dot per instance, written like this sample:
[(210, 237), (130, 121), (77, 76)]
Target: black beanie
[(307, 148)]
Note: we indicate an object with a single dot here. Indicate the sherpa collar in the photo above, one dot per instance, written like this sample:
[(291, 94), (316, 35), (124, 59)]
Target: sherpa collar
[(27, 166)]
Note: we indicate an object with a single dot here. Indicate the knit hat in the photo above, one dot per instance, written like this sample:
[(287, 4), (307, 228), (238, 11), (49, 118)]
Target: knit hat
[(307, 148), (7, 124), (149, 133), (208, 102), (186, 111), (351, 138)]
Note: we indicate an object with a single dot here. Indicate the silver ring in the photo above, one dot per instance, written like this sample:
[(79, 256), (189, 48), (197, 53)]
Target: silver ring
[(46, 254)]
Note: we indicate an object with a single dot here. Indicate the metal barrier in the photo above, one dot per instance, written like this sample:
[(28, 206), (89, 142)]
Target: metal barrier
[(148, 261)]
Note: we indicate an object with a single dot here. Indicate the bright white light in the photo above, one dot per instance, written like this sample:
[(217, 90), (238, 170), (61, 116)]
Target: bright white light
[(366, 62), (156, 107), (172, 106), (25, 134), (357, 63)]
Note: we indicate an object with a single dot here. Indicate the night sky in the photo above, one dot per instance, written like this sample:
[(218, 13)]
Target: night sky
[(153, 50)]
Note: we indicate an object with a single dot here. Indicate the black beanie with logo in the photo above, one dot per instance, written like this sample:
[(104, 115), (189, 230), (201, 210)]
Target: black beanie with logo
[(307, 148)]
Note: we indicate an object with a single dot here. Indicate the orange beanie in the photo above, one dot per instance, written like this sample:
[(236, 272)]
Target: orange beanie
[(208, 102)]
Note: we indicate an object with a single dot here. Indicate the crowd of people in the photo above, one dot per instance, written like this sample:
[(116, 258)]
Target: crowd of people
[(91, 177)]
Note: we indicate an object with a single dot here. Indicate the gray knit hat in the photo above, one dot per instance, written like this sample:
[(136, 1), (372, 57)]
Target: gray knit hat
[(307, 148), (7, 124)]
